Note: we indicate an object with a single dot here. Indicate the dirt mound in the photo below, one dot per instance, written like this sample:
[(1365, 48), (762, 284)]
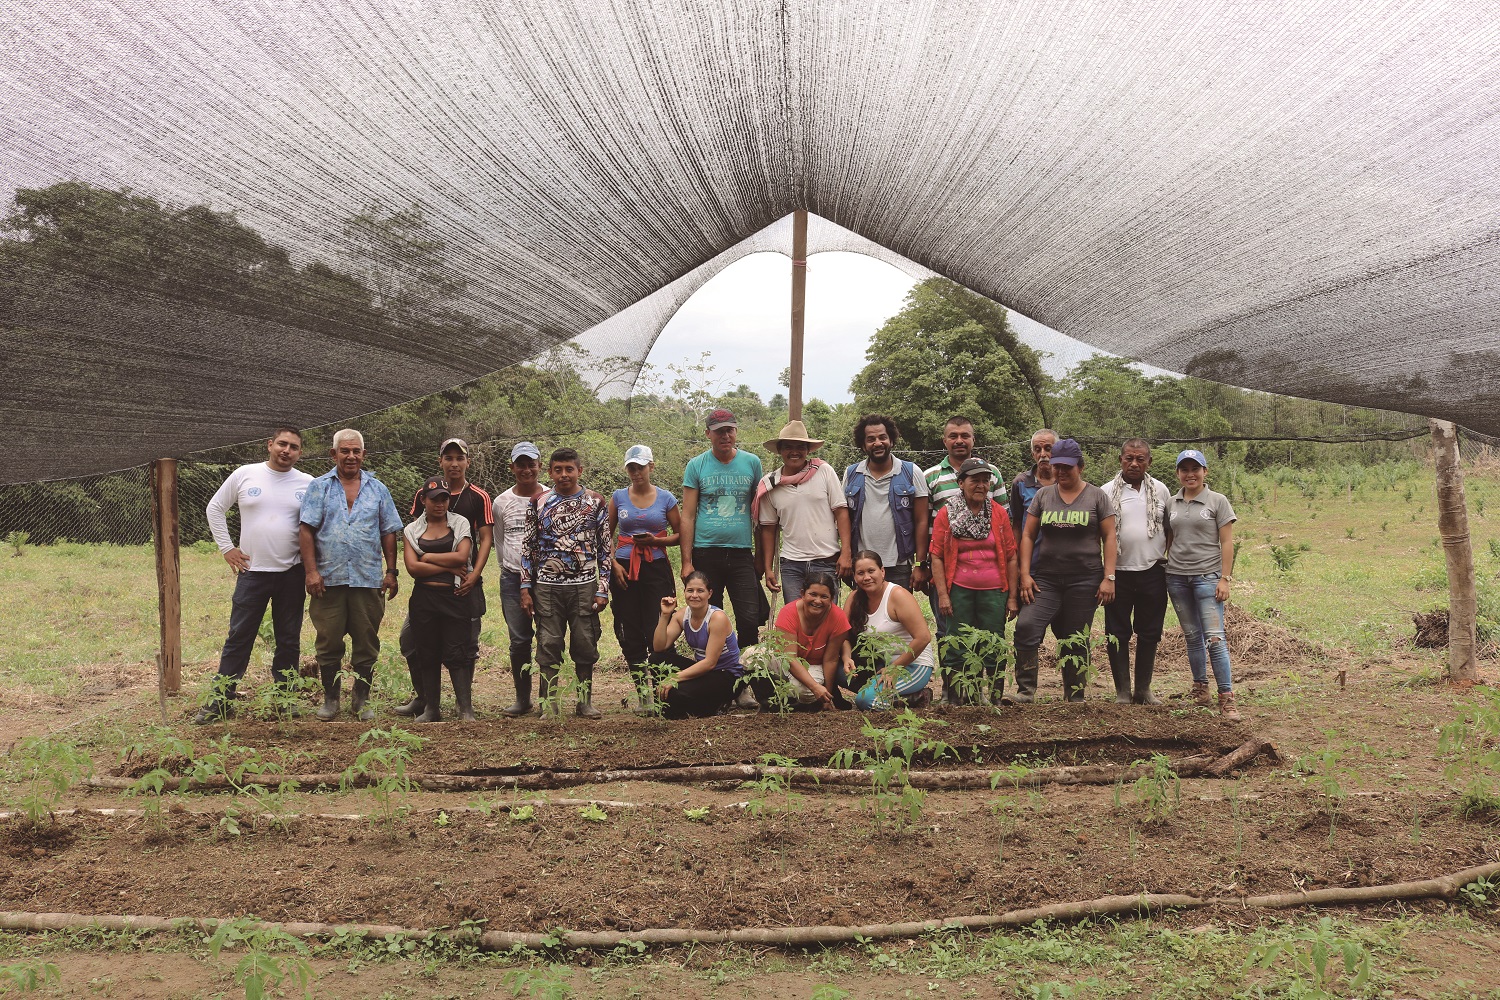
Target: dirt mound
[(1432, 629)]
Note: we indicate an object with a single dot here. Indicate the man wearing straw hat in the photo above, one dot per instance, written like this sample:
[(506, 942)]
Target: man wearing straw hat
[(803, 502)]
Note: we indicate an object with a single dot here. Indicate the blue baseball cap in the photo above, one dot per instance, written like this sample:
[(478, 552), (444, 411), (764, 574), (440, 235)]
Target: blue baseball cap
[(1067, 452), (1192, 454), (525, 450)]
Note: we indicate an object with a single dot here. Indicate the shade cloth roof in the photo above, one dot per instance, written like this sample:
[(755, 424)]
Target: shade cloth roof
[(1301, 197)]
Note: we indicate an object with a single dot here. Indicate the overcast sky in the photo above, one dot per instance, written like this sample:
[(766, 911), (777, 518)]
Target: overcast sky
[(743, 317)]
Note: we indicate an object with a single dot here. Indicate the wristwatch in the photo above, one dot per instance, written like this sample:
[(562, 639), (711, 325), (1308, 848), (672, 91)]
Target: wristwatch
[(1110, 577)]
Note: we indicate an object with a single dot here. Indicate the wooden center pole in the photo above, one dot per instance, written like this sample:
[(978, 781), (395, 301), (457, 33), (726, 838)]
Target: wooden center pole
[(1453, 527), (168, 575), (799, 310)]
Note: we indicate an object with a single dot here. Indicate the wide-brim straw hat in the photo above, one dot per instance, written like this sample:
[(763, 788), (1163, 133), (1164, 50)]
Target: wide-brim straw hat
[(794, 431)]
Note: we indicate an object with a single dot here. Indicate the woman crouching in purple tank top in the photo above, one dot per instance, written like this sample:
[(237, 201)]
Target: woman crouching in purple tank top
[(704, 684)]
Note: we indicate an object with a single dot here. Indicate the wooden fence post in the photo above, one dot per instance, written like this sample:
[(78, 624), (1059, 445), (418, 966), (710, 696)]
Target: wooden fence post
[(1453, 527), (799, 310), (168, 574)]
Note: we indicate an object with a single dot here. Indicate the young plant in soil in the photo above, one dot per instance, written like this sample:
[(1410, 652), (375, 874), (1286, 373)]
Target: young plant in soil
[(1472, 742), (1159, 790), (769, 663), (768, 786), (385, 767), (277, 701), (149, 787), (1323, 964), (1073, 654), (265, 966), (982, 655), (1328, 769), (46, 770), (895, 802), (26, 977)]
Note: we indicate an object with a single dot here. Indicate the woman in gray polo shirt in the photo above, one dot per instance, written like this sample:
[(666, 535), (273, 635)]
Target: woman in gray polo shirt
[(1198, 567)]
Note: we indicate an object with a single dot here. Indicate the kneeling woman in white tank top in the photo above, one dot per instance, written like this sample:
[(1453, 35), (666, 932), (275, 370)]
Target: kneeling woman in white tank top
[(703, 685), (885, 672)]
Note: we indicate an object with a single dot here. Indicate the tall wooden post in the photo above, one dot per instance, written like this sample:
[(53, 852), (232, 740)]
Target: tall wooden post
[(1453, 527), (168, 574), (799, 310)]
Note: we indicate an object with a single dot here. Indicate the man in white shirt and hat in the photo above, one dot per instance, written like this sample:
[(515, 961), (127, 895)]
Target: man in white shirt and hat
[(803, 503)]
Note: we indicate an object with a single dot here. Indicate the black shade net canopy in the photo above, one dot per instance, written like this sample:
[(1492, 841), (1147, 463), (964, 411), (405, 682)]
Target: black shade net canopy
[(228, 215)]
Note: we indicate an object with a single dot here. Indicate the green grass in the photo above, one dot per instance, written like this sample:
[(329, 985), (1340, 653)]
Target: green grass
[(1352, 593)]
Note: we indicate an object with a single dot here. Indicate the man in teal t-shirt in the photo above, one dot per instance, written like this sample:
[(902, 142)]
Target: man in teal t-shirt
[(718, 488)]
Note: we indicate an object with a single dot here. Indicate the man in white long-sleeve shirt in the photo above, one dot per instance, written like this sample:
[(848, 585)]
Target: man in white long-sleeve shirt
[(266, 561)]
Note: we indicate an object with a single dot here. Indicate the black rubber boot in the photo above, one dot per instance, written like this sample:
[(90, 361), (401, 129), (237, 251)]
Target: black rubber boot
[(1026, 671), (463, 691), (1119, 668), (432, 694), (586, 707), (360, 707), (417, 703), (521, 674), (1145, 668), (331, 685)]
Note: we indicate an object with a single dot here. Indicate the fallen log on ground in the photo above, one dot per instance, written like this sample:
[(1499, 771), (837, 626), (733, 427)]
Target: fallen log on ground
[(1203, 765), (1442, 887)]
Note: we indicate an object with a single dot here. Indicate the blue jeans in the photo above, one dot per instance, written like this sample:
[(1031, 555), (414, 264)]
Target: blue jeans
[(517, 622), (794, 574), (1202, 618), (253, 590)]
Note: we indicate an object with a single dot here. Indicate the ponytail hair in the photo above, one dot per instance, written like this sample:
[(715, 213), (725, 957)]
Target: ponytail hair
[(698, 574), (859, 615)]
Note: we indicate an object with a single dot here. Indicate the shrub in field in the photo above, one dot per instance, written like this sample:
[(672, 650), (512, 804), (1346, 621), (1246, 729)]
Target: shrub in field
[(1472, 744), (46, 769), (17, 541)]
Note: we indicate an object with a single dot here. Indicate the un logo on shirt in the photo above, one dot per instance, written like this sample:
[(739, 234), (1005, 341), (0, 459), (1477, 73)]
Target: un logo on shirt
[(254, 491), (299, 495)]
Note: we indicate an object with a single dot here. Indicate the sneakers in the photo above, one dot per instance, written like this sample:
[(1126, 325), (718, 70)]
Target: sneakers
[(1226, 707), (1201, 695)]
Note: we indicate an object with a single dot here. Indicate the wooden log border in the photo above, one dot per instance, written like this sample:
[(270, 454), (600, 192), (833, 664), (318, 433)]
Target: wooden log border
[(1442, 887)]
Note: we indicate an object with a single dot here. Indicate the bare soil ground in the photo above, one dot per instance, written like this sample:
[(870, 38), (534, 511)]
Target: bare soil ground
[(819, 856)]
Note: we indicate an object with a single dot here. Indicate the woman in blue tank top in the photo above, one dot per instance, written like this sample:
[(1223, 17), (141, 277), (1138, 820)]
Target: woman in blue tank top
[(704, 684)]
